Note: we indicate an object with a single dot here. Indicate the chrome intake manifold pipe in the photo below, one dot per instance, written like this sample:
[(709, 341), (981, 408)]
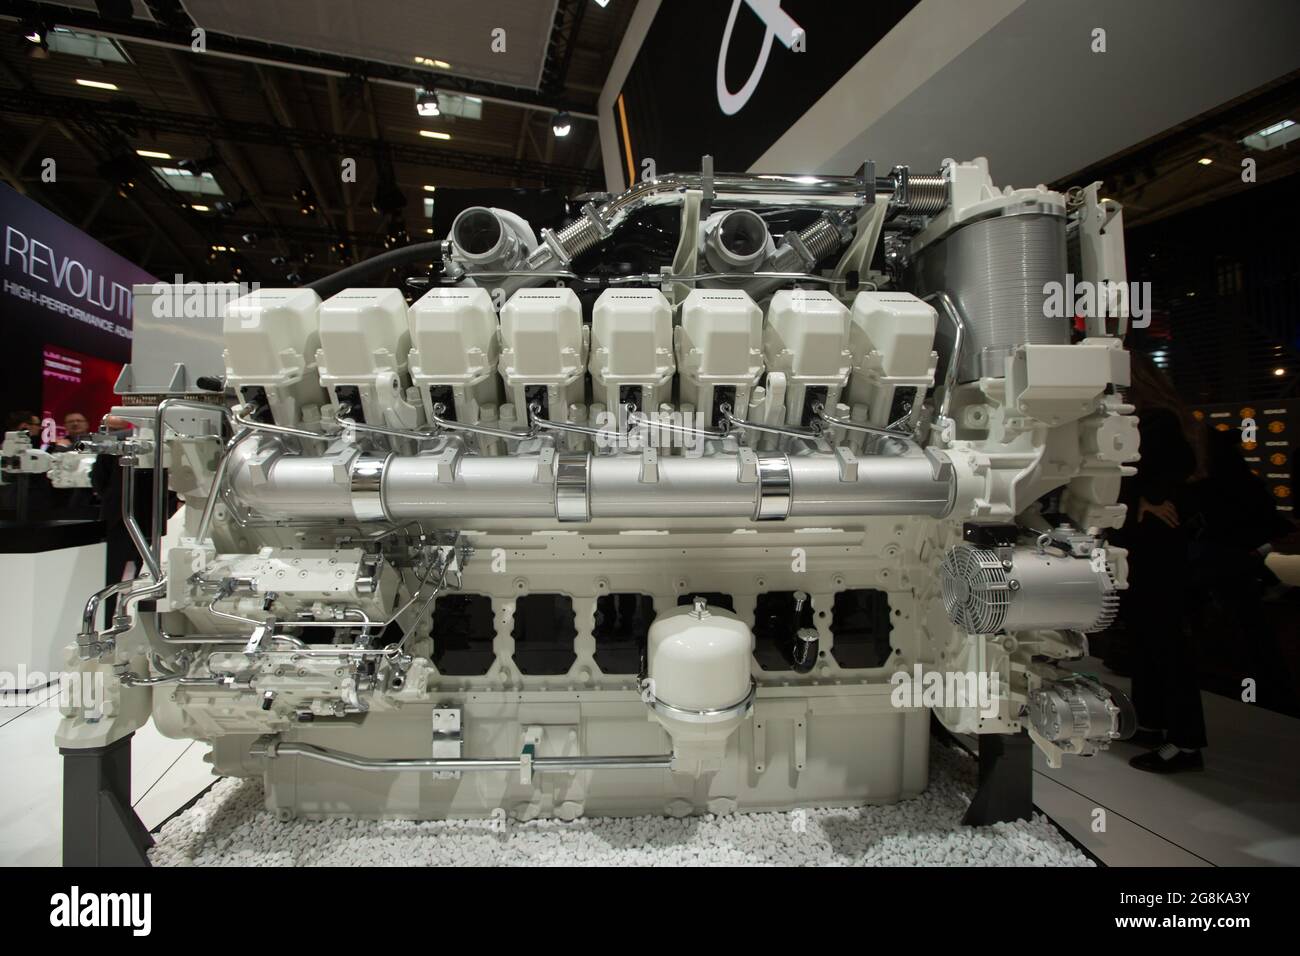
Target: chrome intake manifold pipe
[(581, 487)]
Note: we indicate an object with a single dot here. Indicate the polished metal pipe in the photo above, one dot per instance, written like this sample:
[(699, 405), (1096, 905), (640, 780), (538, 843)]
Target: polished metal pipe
[(525, 487), (147, 553), (273, 749)]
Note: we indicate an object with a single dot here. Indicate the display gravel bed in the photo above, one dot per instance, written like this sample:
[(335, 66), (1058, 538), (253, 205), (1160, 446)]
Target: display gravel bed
[(229, 825)]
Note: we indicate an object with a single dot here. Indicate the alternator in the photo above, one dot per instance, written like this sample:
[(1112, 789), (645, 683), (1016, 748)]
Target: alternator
[(1082, 711)]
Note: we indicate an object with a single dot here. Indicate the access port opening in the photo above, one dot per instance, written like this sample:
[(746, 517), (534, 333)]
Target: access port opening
[(812, 395), (775, 627), (544, 631), (630, 395), (621, 627), (350, 396), (540, 396), (463, 630), (445, 396), (723, 395), (860, 628), (255, 395)]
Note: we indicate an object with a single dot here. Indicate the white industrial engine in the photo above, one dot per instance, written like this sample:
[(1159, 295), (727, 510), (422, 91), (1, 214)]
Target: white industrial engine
[(572, 535)]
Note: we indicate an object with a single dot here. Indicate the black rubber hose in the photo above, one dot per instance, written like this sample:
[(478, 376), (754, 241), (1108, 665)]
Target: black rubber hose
[(353, 274)]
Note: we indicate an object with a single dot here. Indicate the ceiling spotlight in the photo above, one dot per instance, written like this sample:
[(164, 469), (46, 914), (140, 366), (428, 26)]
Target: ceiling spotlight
[(561, 123), (34, 32), (97, 84), (426, 103), (249, 238), (152, 154), (224, 208), (306, 201), (602, 3), (1279, 371), (430, 189), (434, 134), (199, 207), (1205, 161)]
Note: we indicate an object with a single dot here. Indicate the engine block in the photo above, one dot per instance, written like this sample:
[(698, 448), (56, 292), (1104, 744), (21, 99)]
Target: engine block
[(556, 538)]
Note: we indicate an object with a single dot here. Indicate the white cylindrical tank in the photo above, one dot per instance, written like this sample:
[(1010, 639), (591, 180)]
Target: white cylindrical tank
[(699, 685), (698, 658)]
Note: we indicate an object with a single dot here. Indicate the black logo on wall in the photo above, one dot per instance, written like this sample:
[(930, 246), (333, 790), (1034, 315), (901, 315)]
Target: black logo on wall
[(729, 77)]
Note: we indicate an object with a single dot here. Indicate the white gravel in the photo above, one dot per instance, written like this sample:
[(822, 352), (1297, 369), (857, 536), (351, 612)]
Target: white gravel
[(229, 826)]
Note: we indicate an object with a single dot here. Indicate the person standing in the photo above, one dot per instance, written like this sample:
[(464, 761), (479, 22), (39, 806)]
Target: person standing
[(1166, 678)]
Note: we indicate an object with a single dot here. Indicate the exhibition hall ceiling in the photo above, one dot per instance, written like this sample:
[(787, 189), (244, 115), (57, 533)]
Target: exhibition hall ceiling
[(261, 123)]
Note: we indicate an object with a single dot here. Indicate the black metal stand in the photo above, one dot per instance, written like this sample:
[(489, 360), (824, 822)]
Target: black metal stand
[(1006, 790), (99, 826)]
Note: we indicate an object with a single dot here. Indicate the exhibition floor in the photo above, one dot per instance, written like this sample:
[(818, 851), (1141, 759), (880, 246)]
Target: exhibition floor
[(1244, 809)]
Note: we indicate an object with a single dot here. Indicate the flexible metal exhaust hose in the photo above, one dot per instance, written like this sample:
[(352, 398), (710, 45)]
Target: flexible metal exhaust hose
[(583, 487)]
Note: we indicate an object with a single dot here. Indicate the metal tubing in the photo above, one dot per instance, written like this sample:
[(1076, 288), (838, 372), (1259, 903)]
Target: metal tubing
[(445, 424), (272, 749), (786, 430), (959, 340), (147, 554), (218, 481), (159, 472)]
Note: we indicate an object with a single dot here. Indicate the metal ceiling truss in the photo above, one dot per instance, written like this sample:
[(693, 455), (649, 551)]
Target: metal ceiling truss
[(172, 27), (131, 120), (564, 38)]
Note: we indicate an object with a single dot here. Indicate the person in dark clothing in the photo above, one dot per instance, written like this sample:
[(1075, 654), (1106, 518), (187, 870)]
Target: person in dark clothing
[(1236, 518), (1166, 684)]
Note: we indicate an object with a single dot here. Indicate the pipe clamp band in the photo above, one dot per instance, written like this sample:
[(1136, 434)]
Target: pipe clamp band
[(773, 488), (367, 486), (738, 709), (573, 488)]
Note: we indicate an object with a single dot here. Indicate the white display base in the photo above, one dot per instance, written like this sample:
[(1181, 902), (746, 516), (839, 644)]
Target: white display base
[(43, 594)]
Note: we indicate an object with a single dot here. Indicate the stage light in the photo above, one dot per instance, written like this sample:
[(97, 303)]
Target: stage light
[(426, 103)]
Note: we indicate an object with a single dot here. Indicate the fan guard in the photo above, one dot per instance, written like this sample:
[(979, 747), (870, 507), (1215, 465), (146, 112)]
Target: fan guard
[(975, 592)]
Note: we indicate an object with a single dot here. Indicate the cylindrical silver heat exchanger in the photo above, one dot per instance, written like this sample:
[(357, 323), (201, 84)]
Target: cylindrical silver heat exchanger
[(581, 487), (995, 269)]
